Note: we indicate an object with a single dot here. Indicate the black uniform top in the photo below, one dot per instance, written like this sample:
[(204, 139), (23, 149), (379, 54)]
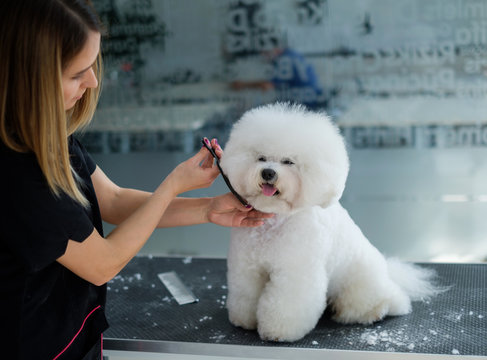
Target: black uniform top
[(46, 311)]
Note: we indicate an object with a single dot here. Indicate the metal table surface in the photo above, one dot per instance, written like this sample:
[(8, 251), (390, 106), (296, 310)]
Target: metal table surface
[(144, 317)]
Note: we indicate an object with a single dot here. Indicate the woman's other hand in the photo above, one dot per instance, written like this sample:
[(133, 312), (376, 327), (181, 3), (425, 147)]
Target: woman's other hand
[(226, 210), (197, 172)]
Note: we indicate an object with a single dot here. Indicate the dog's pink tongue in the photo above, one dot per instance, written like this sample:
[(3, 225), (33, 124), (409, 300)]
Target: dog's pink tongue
[(268, 190)]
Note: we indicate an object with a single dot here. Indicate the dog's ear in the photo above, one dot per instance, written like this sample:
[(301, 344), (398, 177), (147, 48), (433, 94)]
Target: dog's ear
[(322, 183), (325, 168), (321, 157), (331, 196)]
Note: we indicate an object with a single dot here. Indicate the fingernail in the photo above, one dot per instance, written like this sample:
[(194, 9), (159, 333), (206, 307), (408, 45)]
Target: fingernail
[(248, 206), (219, 147), (207, 142)]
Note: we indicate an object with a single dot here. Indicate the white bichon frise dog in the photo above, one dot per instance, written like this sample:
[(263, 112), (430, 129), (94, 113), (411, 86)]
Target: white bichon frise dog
[(292, 162)]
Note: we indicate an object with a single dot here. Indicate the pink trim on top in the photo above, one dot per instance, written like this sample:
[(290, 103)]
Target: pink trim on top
[(75, 336)]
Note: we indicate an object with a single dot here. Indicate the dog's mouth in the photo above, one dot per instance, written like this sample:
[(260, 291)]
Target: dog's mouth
[(269, 189)]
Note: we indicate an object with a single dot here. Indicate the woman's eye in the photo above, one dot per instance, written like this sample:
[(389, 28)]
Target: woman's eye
[(262, 158), (287, 162), (78, 76)]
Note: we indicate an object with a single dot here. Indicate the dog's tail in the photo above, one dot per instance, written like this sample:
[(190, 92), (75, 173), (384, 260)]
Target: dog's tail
[(419, 283)]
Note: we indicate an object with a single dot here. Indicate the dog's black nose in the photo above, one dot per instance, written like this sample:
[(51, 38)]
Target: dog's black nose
[(268, 174)]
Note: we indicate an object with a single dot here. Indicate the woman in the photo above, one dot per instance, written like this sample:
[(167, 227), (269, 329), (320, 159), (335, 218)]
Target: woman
[(54, 258)]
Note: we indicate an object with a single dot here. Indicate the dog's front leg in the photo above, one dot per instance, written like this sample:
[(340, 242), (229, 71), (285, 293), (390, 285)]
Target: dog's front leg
[(292, 302), (245, 284)]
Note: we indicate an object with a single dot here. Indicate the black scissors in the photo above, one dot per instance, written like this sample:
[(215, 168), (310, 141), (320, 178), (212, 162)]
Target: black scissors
[(212, 152)]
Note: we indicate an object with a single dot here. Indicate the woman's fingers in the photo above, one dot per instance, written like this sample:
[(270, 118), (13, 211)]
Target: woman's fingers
[(202, 156), (226, 210), (209, 161), (217, 148)]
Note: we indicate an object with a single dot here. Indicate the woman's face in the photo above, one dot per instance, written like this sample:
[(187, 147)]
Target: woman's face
[(79, 75)]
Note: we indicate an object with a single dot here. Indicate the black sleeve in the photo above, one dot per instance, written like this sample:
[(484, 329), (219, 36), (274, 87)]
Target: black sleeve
[(85, 157), (39, 224)]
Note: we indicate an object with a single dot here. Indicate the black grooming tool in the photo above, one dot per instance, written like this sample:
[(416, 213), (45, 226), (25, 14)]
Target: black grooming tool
[(212, 152)]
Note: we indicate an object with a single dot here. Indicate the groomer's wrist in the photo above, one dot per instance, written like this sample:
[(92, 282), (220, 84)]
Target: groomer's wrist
[(206, 207), (169, 187)]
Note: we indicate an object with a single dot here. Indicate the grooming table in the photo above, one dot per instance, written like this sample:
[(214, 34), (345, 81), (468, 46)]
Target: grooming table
[(145, 318)]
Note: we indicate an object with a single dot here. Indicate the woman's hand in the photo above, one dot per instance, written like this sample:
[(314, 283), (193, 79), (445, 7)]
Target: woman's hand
[(197, 172), (226, 210)]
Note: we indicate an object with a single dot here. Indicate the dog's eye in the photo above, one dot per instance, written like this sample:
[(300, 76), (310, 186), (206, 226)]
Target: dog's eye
[(287, 162), (262, 158)]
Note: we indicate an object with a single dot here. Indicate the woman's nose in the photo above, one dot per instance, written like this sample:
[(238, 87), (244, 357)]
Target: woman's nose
[(91, 81)]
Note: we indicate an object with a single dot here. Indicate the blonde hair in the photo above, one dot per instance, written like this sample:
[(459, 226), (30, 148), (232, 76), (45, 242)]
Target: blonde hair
[(38, 39)]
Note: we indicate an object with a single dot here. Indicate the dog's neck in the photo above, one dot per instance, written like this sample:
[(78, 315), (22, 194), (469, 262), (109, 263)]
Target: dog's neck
[(279, 219)]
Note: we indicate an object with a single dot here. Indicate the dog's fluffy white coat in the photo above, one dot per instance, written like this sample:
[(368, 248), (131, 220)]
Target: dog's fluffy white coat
[(281, 276)]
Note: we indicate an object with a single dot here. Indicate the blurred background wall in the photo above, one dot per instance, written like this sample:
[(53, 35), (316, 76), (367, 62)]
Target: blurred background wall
[(404, 80)]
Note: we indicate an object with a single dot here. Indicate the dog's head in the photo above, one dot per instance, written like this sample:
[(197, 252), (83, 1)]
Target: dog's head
[(282, 158)]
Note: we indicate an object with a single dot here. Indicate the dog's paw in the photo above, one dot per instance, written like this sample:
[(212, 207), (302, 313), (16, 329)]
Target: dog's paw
[(281, 334), (371, 307), (283, 326), (275, 335), (245, 321), (361, 315)]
